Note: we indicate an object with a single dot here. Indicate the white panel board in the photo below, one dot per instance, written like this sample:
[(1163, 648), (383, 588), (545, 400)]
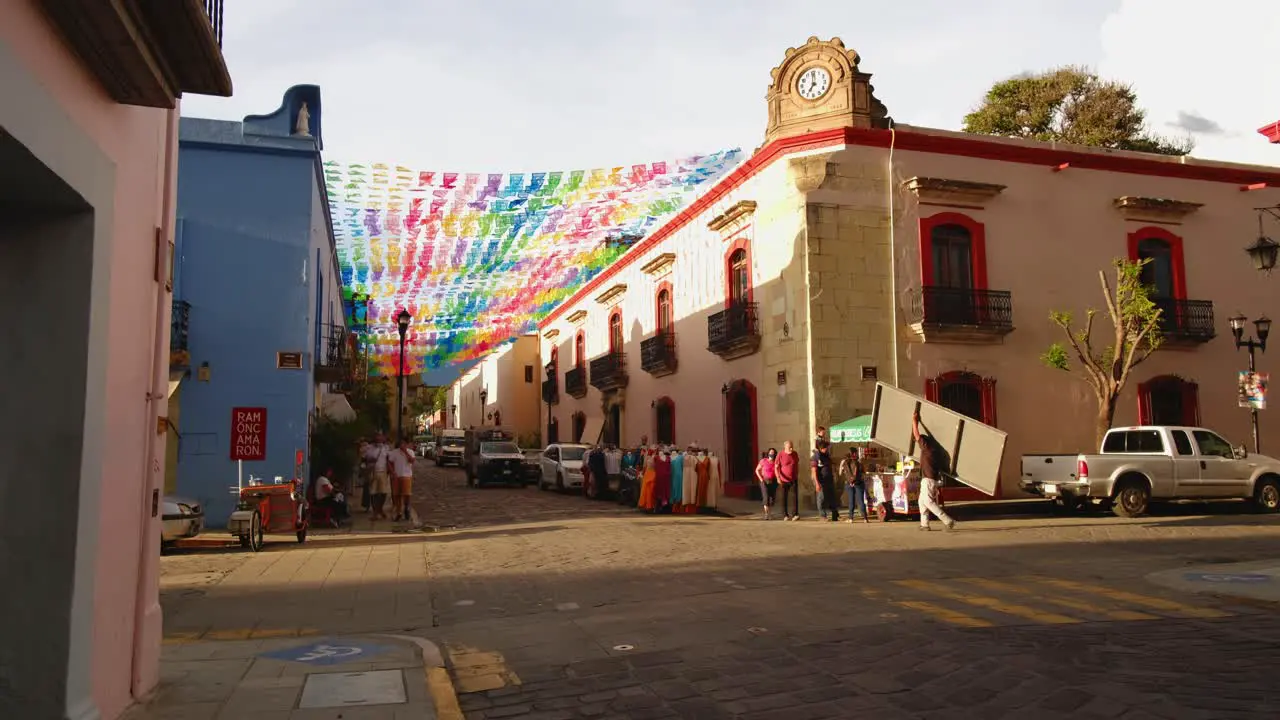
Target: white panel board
[(975, 450)]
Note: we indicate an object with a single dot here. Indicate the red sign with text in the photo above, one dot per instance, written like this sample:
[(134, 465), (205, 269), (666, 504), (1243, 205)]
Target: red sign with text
[(249, 433)]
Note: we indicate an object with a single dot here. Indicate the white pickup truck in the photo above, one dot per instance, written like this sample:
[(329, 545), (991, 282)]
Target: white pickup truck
[(1141, 464)]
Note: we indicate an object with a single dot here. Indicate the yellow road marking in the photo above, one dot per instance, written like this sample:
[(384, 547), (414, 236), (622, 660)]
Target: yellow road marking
[(944, 614), (442, 694), (1080, 605), (241, 634), (1136, 599), (476, 671), (989, 603)]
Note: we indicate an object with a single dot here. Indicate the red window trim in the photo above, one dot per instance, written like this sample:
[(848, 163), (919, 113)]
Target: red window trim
[(1152, 232), (743, 243), (555, 361), (616, 312), (1190, 391), (658, 404), (733, 486), (977, 239), (987, 388), (657, 313), (579, 349)]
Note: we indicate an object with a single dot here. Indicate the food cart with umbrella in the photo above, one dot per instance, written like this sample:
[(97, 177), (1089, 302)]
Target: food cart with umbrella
[(890, 493)]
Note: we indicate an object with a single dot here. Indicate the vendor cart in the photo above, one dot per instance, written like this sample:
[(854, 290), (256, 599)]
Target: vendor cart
[(279, 507)]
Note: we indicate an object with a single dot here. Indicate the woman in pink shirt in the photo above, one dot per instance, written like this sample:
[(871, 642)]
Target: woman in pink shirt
[(768, 481)]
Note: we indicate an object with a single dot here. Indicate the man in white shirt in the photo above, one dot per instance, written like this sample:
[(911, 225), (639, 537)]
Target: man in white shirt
[(402, 480), (379, 456), (328, 496)]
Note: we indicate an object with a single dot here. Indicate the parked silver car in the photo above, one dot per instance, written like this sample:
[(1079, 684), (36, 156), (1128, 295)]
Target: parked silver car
[(180, 518)]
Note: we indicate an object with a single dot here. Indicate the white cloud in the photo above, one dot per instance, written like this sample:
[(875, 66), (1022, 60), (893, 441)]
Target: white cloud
[(1216, 61)]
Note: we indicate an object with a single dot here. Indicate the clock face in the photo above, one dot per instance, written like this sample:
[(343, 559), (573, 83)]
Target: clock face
[(813, 83)]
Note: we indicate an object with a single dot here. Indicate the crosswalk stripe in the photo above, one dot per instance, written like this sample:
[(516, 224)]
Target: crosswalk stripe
[(997, 586), (1134, 598), (944, 614), (990, 603)]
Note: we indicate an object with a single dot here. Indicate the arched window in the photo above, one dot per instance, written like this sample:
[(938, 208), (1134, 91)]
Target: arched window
[(664, 310), (952, 247), (615, 331), (579, 349), (739, 279), (664, 418), (965, 393), (1164, 271), (1168, 400)]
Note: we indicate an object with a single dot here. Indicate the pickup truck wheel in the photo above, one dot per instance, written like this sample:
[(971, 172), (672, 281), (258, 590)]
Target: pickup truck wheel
[(1132, 499), (1267, 495)]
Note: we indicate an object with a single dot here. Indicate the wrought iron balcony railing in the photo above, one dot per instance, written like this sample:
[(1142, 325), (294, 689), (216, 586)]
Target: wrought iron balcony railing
[(575, 382), (609, 371), (734, 331), (550, 391), (333, 359), (942, 307), (179, 335), (658, 354), (1186, 321)]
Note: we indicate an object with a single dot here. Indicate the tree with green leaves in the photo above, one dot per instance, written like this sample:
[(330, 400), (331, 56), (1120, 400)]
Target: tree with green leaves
[(1070, 105), (1135, 320)]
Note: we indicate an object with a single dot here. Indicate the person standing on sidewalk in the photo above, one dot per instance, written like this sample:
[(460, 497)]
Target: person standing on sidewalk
[(787, 467), (379, 457), (930, 459), (402, 481), (824, 478), (855, 478), (768, 478)]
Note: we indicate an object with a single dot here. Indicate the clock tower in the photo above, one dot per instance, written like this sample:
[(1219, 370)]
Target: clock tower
[(818, 87)]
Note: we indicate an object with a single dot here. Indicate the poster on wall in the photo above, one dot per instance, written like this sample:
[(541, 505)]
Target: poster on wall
[(1252, 389)]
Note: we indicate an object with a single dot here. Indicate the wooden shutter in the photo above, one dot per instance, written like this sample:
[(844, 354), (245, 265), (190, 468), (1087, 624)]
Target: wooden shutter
[(1144, 403), (1190, 404), (989, 401)]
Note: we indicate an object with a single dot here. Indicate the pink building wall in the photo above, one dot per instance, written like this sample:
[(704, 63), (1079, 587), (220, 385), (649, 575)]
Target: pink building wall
[(123, 457)]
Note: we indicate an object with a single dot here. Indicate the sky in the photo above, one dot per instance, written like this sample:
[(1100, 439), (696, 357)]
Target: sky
[(516, 86)]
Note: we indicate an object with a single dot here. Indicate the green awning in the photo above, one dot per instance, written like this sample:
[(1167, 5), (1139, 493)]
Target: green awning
[(857, 430)]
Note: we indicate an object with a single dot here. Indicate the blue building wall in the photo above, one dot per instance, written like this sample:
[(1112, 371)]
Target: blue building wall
[(255, 260)]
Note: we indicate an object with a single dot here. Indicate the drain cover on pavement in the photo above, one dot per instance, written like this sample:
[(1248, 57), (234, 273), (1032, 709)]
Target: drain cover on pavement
[(624, 648), (377, 687)]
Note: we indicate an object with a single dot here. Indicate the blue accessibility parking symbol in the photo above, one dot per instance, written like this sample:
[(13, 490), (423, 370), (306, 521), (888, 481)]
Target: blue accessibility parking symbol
[(1228, 577), (329, 652)]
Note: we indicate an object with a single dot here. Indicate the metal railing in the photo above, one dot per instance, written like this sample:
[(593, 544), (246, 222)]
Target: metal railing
[(575, 382), (609, 371), (658, 353), (736, 326), (1190, 320), (334, 345), (213, 8), (945, 306)]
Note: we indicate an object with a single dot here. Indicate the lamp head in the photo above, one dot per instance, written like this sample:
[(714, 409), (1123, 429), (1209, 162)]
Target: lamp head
[(1263, 327), (1237, 326), (402, 322), (1264, 252)]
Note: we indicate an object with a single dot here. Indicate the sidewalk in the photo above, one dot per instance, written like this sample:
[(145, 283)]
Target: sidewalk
[(355, 677)]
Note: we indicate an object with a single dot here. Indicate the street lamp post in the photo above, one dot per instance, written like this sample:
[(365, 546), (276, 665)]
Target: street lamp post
[(1262, 327), (455, 415), (484, 397), (402, 324)]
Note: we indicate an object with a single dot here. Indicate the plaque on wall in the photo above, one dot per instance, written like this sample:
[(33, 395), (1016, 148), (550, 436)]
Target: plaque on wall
[(289, 361)]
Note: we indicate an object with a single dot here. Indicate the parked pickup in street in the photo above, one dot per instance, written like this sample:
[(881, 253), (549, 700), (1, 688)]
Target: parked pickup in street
[(1139, 464)]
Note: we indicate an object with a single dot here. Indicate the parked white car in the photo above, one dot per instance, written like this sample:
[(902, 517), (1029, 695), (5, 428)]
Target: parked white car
[(562, 466), (179, 518)]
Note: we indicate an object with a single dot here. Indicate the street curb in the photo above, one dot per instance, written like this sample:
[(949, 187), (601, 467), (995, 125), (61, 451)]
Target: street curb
[(436, 676)]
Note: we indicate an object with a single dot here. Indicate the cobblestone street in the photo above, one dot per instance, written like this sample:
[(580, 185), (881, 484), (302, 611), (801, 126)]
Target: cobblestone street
[(553, 607)]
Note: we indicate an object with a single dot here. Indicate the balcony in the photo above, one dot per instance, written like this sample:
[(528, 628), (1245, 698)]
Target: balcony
[(147, 52), (658, 354), (179, 335), (961, 315), (1185, 323), (333, 361), (735, 331), (550, 391), (575, 382), (609, 371)]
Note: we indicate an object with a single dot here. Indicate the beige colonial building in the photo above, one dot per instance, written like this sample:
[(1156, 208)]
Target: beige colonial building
[(849, 249), (502, 389)]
